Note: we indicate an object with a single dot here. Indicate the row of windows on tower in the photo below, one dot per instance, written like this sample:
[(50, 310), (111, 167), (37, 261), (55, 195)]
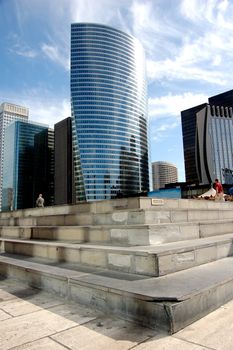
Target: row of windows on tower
[(220, 111)]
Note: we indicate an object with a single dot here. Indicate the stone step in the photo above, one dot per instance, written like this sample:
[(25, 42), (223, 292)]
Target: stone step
[(139, 217), (170, 302), (154, 260), (114, 205), (122, 217), (122, 234)]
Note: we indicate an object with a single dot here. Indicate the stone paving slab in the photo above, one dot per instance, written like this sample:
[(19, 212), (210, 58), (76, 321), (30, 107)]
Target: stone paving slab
[(214, 331), (29, 327), (169, 343), (71, 326), (19, 307), (39, 326), (41, 344), (107, 333), (4, 315)]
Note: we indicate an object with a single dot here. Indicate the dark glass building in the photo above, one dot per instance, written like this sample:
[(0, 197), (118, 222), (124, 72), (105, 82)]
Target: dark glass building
[(64, 180), (208, 140), (21, 166), (224, 99), (109, 113), (189, 129), (43, 176)]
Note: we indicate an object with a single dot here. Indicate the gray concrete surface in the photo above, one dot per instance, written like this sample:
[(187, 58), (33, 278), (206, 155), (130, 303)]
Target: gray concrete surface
[(34, 320)]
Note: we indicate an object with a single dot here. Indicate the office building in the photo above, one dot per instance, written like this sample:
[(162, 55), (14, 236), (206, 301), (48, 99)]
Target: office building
[(224, 99), (64, 180), (208, 140), (44, 167), (163, 173), (8, 113), (109, 113), (19, 166), (188, 118)]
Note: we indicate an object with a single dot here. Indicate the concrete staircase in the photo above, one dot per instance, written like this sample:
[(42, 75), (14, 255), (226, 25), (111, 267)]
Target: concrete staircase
[(162, 263)]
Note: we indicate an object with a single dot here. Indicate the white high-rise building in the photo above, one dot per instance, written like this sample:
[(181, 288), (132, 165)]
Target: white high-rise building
[(163, 173), (8, 113)]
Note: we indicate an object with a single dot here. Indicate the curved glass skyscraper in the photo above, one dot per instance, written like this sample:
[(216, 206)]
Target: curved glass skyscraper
[(109, 112)]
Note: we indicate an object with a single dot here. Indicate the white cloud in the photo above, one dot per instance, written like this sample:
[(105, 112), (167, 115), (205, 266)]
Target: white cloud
[(217, 60), (48, 112), (173, 70), (172, 105), (165, 127), (20, 47), (207, 11), (184, 40), (190, 40), (101, 11), (56, 55), (25, 52), (142, 13), (161, 131), (152, 24), (56, 44)]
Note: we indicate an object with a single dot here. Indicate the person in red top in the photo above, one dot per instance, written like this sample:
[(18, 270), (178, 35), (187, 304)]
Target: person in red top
[(219, 190)]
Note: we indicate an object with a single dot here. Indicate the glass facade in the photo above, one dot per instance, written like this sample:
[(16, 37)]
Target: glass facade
[(8, 113), (109, 113), (189, 131), (43, 175), (18, 165), (63, 182)]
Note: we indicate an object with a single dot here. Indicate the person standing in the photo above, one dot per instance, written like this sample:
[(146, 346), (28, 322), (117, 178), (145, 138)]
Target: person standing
[(219, 190), (40, 201)]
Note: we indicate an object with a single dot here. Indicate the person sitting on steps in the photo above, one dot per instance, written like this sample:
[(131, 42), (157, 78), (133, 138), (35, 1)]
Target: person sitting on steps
[(219, 190), (40, 201)]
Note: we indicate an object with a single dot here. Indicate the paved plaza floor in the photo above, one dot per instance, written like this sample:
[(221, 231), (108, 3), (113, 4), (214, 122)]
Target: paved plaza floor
[(32, 319)]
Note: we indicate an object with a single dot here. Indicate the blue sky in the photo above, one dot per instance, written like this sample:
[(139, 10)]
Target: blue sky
[(188, 45)]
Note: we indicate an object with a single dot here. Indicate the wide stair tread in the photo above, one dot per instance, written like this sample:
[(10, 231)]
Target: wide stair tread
[(152, 249), (178, 286)]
